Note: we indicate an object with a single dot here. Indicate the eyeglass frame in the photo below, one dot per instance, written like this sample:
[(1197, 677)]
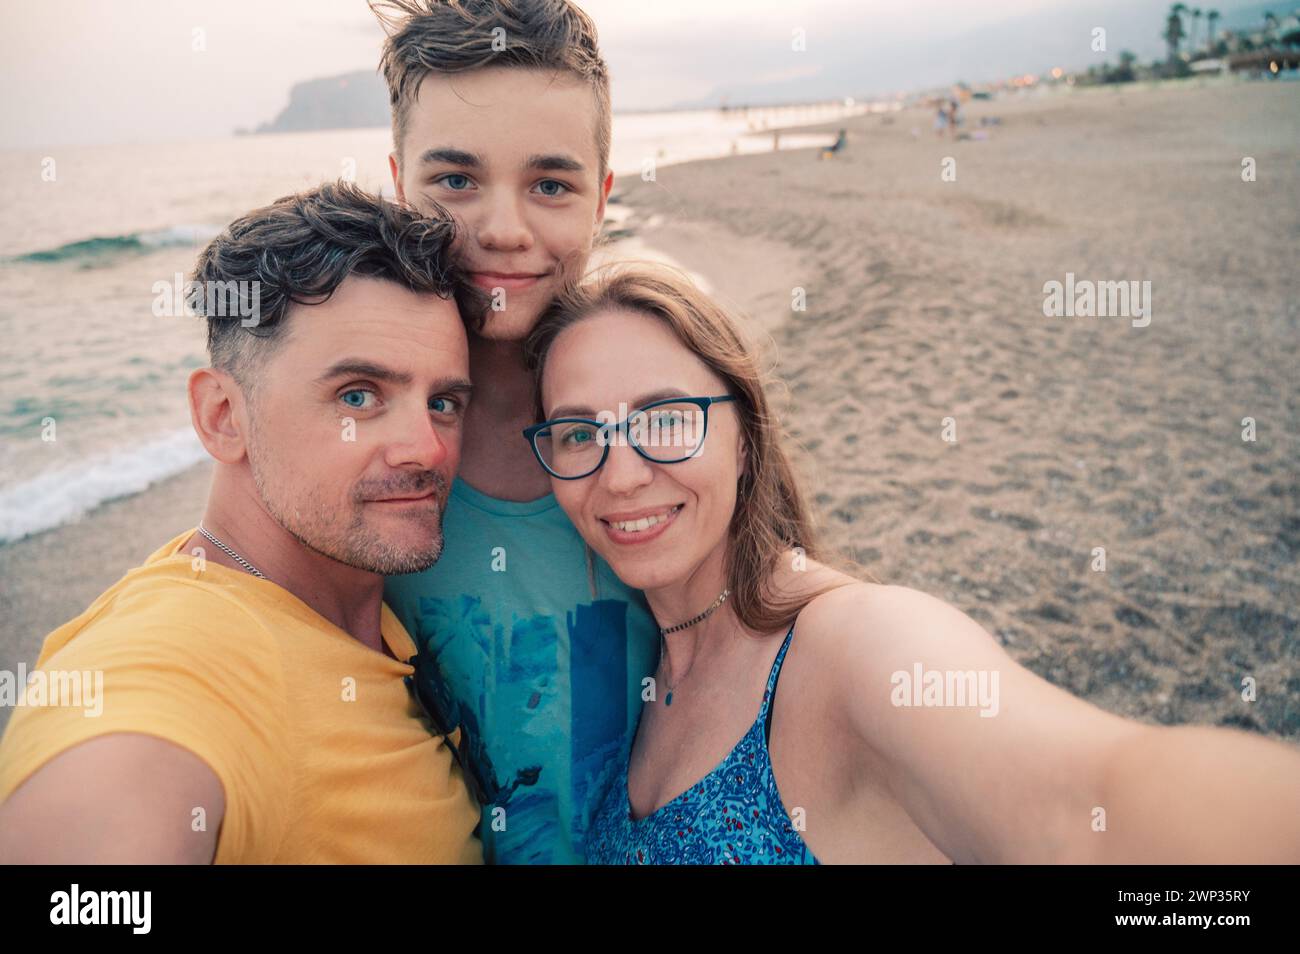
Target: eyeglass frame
[(703, 403)]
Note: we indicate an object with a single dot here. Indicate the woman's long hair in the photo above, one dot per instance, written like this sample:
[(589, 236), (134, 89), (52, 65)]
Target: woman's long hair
[(771, 517)]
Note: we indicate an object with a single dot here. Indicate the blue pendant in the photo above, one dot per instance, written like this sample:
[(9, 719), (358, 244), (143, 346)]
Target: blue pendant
[(669, 700)]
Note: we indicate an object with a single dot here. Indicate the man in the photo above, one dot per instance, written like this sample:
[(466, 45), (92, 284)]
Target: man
[(501, 113), (254, 705)]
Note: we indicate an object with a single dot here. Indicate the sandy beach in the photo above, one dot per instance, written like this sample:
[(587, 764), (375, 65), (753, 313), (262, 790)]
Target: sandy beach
[(925, 302)]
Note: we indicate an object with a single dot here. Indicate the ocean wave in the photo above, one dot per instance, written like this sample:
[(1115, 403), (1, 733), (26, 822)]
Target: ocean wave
[(133, 243), (61, 496)]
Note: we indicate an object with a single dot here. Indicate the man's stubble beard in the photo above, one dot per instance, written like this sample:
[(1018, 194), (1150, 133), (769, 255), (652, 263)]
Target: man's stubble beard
[(316, 524)]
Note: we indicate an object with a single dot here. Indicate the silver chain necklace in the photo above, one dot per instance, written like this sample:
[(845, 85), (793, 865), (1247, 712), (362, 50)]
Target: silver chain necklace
[(231, 553), (664, 631)]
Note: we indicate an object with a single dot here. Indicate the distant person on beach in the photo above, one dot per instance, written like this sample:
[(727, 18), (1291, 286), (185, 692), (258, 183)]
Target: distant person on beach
[(941, 118), (830, 151), (538, 649), (800, 714), (255, 704)]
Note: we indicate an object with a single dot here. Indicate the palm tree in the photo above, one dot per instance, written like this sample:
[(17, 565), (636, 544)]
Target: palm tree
[(1196, 23), (1174, 32), (1212, 17)]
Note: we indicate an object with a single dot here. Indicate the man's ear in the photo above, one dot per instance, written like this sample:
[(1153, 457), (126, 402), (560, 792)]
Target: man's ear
[(217, 411), (395, 170)]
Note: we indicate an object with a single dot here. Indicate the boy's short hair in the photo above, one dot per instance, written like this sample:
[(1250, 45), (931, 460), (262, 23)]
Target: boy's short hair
[(455, 36), (299, 249)]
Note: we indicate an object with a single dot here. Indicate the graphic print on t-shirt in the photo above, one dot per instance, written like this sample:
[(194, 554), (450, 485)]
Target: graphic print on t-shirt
[(552, 751)]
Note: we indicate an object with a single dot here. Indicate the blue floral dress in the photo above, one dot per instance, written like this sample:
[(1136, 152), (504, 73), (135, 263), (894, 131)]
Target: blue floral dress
[(732, 816)]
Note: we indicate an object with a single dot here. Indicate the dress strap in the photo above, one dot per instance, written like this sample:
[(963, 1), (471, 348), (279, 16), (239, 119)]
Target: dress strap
[(769, 695)]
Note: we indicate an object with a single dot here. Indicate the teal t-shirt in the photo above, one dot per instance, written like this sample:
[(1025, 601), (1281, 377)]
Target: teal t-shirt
[(547, 677)]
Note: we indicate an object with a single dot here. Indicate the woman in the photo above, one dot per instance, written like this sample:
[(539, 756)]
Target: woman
[(901, 732)]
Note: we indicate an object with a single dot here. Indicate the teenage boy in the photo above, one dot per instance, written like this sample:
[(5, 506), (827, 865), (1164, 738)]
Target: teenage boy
[(254, 698), (501, 113)]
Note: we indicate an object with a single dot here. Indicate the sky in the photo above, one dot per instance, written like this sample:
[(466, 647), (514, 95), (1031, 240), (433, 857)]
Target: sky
[(109, 71)]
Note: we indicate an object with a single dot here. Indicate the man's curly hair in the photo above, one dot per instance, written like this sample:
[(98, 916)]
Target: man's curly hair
[(300, 248)]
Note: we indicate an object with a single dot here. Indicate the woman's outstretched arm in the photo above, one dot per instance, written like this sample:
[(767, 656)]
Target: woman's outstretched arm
[(997, 765), (1201, 795)]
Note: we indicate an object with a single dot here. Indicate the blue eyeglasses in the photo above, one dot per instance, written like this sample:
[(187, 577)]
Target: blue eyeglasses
[(664, 432)]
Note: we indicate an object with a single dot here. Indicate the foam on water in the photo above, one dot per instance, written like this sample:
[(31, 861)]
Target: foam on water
[(59, 496)]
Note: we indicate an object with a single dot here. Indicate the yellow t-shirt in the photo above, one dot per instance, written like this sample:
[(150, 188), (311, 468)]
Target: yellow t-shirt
[(314, 737)]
